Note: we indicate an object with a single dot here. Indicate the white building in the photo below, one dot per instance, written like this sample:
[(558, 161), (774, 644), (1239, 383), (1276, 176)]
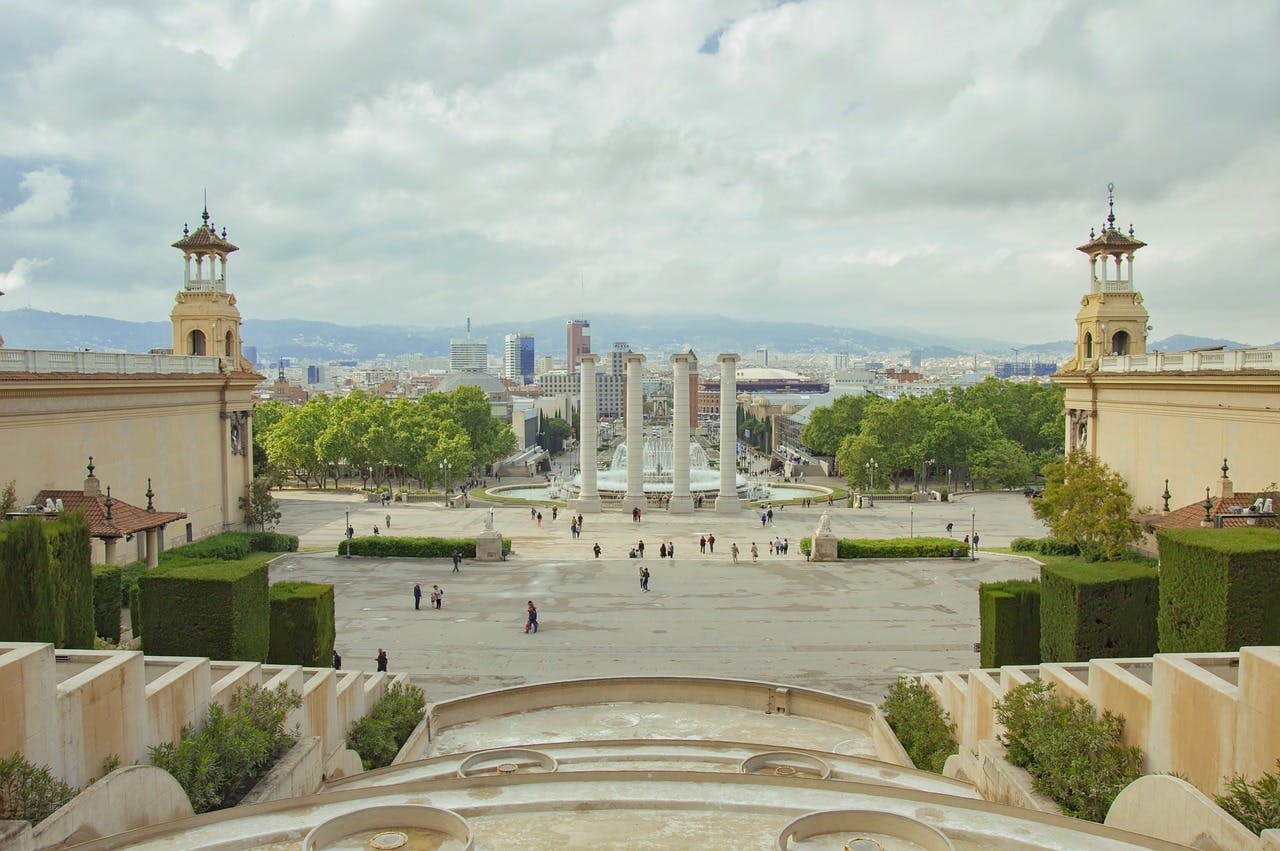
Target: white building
[(468, 354)]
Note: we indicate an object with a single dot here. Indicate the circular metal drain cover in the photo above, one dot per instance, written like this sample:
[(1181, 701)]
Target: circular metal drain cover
[(620, 720), (388, 839)]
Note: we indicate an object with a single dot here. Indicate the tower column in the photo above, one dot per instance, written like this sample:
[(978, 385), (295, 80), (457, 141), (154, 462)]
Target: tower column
[(727, 502), (681, 499), (635, 433), (588, 418)]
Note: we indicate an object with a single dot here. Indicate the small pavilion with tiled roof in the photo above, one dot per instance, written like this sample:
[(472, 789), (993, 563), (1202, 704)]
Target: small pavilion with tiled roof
[(1227, 509), (111, 519)]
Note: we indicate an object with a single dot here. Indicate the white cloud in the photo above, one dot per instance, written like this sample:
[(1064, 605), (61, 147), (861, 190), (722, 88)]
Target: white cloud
[(49, 198), (19, 274), (853, 161)]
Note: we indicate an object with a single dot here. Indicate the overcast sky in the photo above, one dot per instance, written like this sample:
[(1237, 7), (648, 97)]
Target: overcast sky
[(875, 165)]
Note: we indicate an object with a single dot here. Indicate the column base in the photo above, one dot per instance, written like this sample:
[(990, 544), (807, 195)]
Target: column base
[(629, 503), (825, 548), (728, 505), (587, 504), (680, 505)]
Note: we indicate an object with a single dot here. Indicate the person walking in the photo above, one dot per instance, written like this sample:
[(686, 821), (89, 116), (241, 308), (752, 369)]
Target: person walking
[(596, 549), (555, 512), (671, 549), (381, 659), (376, 533), (950, 526), (975, 542), (437, 596), (531, 619), (733, 552), (662, 550), (457, 560), (539, 519), (337, 660), (764, 518), (640, 548), (755, 552), (769, 514), (711, 543), (644, 579), (786, 546), (702, 544), (771, 548), (417, 596), (388, 519)]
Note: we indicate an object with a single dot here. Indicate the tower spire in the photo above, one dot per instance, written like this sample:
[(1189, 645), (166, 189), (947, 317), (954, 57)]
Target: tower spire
[(1111, 205), (205, 214)]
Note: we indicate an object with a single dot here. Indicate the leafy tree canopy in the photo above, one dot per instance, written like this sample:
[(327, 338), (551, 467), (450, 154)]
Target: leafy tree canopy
[(1087, 503)]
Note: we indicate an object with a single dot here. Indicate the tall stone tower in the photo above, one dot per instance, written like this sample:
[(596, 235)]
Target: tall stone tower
[(1112, 320), (205, 318)]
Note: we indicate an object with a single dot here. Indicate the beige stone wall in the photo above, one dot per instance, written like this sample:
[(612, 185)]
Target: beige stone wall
[(27, 678), (1151, 427), (178, 695), (101, 713), (166, 428)]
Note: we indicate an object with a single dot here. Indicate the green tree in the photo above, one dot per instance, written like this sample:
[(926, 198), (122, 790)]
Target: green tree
[(8, 498), (854, 455), (1087, 503), (954, 435), (555, 431), (899, 427), (490, 438), (291, 442), (1004, 462), (829, 426), (260, 508)]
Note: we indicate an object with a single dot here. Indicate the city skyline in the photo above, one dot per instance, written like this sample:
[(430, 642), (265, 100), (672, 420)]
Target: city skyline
[(929, 167)]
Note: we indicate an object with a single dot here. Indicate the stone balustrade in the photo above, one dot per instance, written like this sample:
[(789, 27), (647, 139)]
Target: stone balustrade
[(41, 361), (1230, 361)]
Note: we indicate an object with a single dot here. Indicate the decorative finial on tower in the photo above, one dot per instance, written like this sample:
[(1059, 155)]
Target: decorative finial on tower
[(1111, 205), (1167, 496), (1208, 507), (1130, 228), (1092, 235), (108, 504), (205, 214), (224, 231), (91, 466), (1225, 468), (150, 496), (185, 230)]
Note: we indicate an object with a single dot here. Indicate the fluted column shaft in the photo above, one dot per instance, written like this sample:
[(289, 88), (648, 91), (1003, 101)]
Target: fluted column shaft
[(588, 428), (727, 502), (635, 432), (681, 499)]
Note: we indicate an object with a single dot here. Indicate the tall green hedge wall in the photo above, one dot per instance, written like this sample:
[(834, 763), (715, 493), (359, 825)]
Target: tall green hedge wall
[(387, 546), (46, 583), (106, 601), (28, 602), (302, 629), (1097, 610), (214, 609), (1010, 618), (1219, 589)]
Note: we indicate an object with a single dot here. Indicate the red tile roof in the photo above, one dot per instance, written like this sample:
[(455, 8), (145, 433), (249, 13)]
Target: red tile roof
[(125, 519), (1192, 516)]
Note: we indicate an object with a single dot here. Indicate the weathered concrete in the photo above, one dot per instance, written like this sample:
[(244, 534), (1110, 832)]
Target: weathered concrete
[(299, 772), (128, 798)]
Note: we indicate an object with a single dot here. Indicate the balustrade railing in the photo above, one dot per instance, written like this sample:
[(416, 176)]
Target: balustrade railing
[(1231, 360), (123, 363)]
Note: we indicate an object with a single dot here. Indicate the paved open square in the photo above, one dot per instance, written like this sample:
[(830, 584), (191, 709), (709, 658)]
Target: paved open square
[(849, 627)]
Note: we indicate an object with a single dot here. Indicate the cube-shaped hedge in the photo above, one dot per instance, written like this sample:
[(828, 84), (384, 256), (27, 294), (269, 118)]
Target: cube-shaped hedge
[(900, 548), (301, 624), (28, 598), (215, 609), (1010, 617), (1219, 589), (106, 601), (1097, 610), (388, 546)]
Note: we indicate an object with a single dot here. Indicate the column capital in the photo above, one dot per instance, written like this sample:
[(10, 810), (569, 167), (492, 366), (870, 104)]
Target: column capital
[(589, 358), (633, 357), (684, 357), (729, 357)]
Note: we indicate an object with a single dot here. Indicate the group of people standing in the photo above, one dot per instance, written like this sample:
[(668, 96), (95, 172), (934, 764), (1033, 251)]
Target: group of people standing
[(436, 599)]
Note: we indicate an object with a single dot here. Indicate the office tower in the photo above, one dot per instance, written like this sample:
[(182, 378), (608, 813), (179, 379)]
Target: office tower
[(517, 358), (578, 332), (467, 354)]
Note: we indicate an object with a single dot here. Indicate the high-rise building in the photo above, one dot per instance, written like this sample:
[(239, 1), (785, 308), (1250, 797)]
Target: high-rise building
[(762, 355), (517, 358), (578, 333), (468, 354), (839, 361)]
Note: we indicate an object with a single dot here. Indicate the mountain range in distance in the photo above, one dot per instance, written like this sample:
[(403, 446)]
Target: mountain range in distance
[(325, 341)]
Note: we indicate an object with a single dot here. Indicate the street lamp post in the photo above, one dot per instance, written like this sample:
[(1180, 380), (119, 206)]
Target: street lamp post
[(973, 531), (911, 523), (871, 475), (346, 531)]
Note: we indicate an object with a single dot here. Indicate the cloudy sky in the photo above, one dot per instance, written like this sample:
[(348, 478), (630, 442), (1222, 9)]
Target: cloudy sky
[(875, 165)]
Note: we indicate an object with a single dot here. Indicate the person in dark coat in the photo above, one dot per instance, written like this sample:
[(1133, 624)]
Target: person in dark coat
[(382, 660), (337, 661), (417, 596)]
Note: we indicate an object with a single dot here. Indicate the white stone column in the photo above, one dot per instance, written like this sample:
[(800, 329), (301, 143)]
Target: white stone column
[(153, 552), (635, 433), (727, 502), (588, 427), (681, 499)]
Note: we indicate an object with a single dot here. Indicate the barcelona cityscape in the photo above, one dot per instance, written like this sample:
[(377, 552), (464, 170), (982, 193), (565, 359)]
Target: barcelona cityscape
[(756, 424)]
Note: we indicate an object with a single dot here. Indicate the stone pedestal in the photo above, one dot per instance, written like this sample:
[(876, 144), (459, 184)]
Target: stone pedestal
[(489, 546), (586, 504), (825, 548)]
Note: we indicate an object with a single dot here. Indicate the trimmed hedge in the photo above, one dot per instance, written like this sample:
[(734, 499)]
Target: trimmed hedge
[(900, 548), (387, 546), (1044, 546), (1010, 618), (1219, 589), (1101, 610), (233, 546), (106, 601), (302, 628), (128, 579), (72, 579), (28, 601), (378, 736), (214, 609), (921, 724)]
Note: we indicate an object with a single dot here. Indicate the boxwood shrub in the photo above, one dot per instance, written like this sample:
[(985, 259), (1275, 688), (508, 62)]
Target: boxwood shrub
[(1219, 589), (129, 578), (1097, 610), (1010, 618), (387, 546), (301, 624), (900, 548), (1044, 546), (921, 724), (106, 601), (233, 546), (214, 609), (378, 736)]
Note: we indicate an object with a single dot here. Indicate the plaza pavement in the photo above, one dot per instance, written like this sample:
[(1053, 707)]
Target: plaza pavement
[(848, 627)]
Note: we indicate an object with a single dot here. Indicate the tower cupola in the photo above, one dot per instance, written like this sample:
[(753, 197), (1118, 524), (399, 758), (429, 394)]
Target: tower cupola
[(1112, 320), (205, 318)]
